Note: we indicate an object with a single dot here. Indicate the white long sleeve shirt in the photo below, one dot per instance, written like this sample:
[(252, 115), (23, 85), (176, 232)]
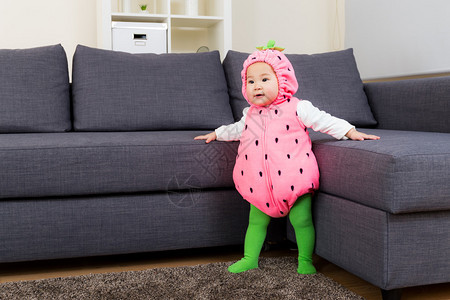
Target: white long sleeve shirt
[(310, 115)]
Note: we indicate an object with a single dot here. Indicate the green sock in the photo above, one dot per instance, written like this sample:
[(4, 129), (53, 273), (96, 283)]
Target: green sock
[(254, 240), (301, 219)]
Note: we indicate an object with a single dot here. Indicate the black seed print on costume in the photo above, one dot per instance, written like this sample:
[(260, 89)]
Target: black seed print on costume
[(281, 212), (260, 174), (289, 100), (279, 173), (265, 156), (284, 200), (306, 129), (296, 141), (301, 171), (289, 69), (246, 126), (246, 157), (251, 190), (253, 57), (289, 156), (307, 154), (287, 127), (256, 142), (260, 111), (292, 188), (242, 172), (276, 140), (267, 204), (279, 57), (296, 113), (313, 185), (276, 111)]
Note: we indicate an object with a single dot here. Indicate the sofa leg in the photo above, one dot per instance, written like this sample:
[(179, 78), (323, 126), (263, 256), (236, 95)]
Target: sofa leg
[(395, 294)]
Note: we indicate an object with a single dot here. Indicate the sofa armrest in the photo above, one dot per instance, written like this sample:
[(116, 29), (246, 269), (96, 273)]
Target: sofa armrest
[(416, 104)]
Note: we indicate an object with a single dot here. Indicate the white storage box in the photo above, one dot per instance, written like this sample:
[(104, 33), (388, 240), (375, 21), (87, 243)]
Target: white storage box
[(139, 37)]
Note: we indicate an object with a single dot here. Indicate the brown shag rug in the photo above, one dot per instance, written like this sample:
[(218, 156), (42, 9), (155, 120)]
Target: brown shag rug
[(276, 278)]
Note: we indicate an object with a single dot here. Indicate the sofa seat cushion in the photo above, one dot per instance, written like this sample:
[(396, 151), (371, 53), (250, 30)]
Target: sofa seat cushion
[(34, 90), (118, 91), (402, 172), (82, 163)]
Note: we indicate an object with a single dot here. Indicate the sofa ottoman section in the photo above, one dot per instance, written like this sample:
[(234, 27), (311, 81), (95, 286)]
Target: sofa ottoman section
[(403, 172), (399, 250)]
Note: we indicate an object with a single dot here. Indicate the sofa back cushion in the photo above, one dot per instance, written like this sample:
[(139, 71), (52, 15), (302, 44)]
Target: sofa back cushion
[(331, 81), (34, 90), (118, 91)]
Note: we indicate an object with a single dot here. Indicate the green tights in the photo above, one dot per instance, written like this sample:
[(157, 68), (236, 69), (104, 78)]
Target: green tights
[(301, 219)]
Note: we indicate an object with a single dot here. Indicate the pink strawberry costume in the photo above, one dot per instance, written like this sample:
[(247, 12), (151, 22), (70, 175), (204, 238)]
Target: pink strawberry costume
[(275, 164)]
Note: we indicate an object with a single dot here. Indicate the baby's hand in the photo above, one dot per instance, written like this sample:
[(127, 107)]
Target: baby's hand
[(208, 137), (355, 135)]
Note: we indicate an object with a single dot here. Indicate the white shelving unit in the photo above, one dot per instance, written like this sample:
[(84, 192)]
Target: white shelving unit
[(211, 27)]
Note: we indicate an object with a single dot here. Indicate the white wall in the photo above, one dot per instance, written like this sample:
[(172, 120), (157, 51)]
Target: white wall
[(32, 23), (399, 38), (301, 26)]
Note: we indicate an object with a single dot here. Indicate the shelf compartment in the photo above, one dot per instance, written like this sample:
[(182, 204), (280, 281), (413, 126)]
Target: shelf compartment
[(189, 39), (138, 17), (195, 21)]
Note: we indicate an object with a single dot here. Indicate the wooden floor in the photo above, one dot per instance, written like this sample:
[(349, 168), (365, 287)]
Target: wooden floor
[(82, 266)]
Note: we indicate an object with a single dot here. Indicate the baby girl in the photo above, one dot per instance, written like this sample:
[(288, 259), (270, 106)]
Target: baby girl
[(276, 170)]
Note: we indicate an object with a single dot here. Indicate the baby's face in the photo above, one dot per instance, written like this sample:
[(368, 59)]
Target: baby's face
[(262, 84)]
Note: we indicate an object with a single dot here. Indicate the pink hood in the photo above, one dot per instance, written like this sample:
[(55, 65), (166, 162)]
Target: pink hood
[(287, 82)]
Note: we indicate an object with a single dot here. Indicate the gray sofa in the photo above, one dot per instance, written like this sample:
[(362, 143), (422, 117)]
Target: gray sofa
[(108, 165)]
